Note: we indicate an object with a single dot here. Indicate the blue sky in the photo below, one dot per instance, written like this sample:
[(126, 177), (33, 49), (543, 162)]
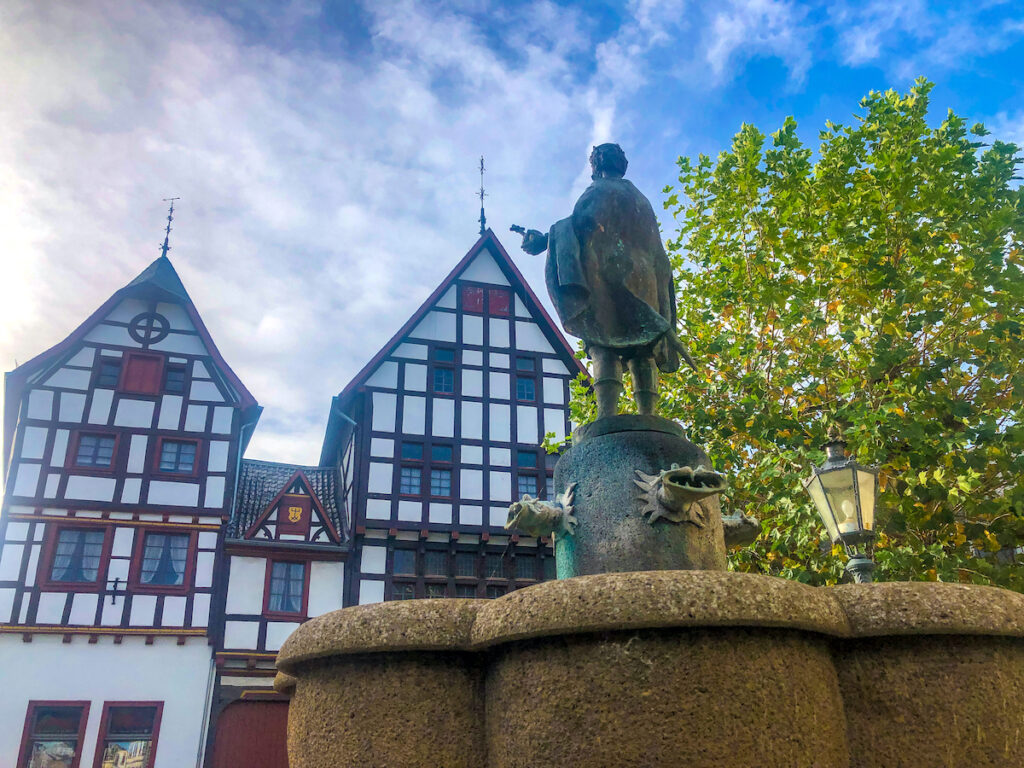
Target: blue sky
[(326, 152)]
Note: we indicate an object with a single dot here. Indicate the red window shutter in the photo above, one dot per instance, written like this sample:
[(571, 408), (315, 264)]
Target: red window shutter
[(498, 301), (143, 374), (472, 298), (293, 515)]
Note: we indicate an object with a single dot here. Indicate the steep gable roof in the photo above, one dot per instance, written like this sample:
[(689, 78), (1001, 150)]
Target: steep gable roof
[(489, 243), (159, 281), (261, 483)]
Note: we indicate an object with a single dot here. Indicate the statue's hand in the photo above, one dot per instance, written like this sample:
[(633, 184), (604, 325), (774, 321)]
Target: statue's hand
[(535, 242)]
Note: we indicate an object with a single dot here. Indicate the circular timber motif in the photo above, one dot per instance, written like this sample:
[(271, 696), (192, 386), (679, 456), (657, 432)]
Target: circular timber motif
[(149, 327)]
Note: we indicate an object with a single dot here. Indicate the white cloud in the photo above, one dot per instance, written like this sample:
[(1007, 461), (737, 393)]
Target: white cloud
[(748, 28)]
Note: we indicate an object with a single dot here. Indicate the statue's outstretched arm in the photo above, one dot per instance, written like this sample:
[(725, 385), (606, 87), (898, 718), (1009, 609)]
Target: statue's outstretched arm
[(534, 242)]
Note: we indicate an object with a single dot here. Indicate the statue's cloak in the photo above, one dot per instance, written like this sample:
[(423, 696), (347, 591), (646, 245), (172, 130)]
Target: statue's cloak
[(609, 276)]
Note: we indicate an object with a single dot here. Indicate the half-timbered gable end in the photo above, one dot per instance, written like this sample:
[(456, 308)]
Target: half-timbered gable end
[(286, 546), (121, 446), (445, 424)]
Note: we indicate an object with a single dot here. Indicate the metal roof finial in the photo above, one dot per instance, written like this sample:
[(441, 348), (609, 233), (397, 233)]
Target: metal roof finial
[(167, 232), (483, 218)]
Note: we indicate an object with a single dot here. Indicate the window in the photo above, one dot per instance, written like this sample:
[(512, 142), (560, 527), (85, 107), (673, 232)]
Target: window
[(128, 735), (526, 389), (164, 559), (444, 381), (178, 456), (404, 562), (435, 562), (465, 590), (465, 564), (527, 484), (498, 301), (95, 450), (53, 734), (441, 453), (494, 591), (495, 566), (143, 373), (526, 567), (409, 480), (412, 451), (472, 298), (287, 588), (526, 458), (174, 380), (403, 592), (549, 568), (108, 373), (440, 482), (549, 487), (78, 555), (444, 355), (437, 590), (526, 364)]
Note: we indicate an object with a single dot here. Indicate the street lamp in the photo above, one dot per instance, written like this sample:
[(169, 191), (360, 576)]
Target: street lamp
[(844, 493)]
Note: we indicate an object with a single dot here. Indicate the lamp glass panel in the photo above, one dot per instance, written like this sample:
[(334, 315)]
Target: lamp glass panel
[(866, 483), (838, 488), (813, 485)]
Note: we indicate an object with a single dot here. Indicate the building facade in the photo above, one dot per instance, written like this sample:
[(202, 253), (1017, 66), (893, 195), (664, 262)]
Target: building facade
[(149, 573)]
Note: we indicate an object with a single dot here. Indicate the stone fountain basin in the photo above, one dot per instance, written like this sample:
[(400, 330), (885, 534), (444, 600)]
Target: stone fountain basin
[(664, 668)]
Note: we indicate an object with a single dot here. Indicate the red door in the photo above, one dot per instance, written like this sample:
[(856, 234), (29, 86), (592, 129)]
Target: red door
[(252, 734)]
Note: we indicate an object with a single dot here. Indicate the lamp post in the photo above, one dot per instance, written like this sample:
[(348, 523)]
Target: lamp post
[(844, 493)]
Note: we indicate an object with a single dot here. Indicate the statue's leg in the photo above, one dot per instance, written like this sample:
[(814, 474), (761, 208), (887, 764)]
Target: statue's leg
[(607, 380), (645, 384)]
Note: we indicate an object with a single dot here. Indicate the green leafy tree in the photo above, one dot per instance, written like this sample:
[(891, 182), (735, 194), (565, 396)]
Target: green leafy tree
[(876, 286)]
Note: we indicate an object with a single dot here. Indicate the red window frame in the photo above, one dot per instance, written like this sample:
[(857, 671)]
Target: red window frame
[(158, 377), (43, 575), (499, 302), (300, 615), (135, 569), (472, 297), (72, 455), (101, 735), (175, 439), (26, 733)]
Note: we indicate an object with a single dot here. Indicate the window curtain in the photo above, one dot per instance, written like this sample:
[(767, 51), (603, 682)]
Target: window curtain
[(163, 559)]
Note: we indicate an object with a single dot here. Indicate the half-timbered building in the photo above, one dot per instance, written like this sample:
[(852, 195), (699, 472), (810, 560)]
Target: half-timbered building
[(442, 429), (149, 573)]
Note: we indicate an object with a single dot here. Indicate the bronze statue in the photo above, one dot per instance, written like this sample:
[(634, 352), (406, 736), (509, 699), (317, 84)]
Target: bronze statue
[(611, 283)]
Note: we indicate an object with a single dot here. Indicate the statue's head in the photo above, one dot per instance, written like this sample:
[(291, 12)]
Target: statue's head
[(608, 161)]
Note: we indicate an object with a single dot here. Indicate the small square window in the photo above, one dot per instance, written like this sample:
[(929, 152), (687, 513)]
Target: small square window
[(95, 451), (412, 451), (435, 563), (526, 389), (441, 482), (526, 458), (444, 355), (465, 590), (526, 567), (465, 564), (409, 480), (109, 373), (437, 590), (178, 456), (526, 364), (549, 488), (499, 301), (77, 556), (287, 584), (403, 591), (527, 484), (404, 562), (174, 379), (472, 298), (495, 566), (441, 453), (444, 381), (494, 591)]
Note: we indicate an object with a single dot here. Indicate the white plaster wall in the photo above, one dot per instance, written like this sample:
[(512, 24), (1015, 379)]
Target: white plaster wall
[(444, 417), (382, 447), (245, 585), (383, 412), (413, 415), (472, 420), (99, 411), (89, 488), (33, 442), (134, 413), (40, 404), (72, 406), (415, 377), (530, 337), (172, 494), (483, 269), (386, 375), (47, 669)]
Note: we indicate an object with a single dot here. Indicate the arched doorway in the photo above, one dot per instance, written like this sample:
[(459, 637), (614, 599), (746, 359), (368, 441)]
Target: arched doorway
[(252, 734)]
